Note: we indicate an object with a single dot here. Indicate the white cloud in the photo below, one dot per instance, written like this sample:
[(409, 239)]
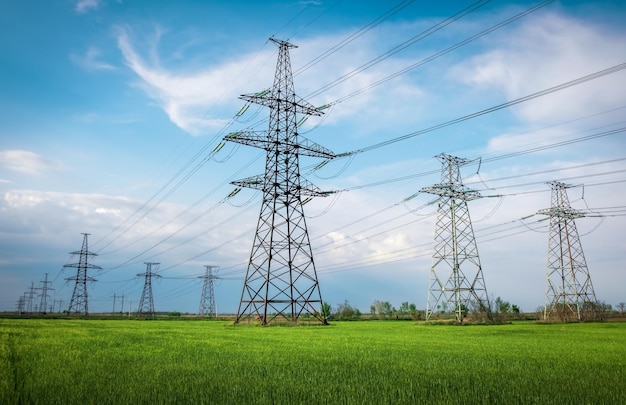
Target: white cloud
[(544, 52), (91, 60), (83, 6), (186, 98), (27, 162), (197, 101)]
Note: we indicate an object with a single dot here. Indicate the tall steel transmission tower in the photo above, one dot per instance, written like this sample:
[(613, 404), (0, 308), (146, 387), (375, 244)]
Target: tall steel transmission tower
[(456, 278), (79, 303), (281, 279), (569, 292), (43, 304), (207, 300), (146, 303)]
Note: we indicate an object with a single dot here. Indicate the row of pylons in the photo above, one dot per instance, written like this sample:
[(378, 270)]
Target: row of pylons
[(281, 281)]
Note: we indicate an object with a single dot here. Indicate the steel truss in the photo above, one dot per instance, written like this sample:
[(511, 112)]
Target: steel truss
[(207, 300), (146, 303), (569, 291), (456, 279), (281, 279), (79, 302)]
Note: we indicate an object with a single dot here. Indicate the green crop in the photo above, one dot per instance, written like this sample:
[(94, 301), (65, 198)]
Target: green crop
[(378, 362)]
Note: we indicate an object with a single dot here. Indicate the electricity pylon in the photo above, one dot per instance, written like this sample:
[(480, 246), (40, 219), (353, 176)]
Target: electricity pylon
[(456, 277), (43, 304), (207, 300), (79, 303), (21, 305), (29, 295), (146, 303), (569, 291), (281, 279)]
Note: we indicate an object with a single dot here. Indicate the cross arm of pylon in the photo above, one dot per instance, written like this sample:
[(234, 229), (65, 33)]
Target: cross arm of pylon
[(251, 138), (74, 278), (310, 148), (78, 252), (562, 212), (268, 99), (255, 182), (306, 187), (88, 266), (259, 139), (446, 190)]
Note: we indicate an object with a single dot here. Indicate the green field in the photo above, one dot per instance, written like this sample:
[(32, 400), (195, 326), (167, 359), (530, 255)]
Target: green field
[(141, 362)]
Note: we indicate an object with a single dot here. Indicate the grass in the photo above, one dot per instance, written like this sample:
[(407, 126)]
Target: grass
[(126, 361)]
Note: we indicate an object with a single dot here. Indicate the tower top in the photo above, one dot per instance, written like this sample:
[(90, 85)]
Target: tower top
[(280, 42)]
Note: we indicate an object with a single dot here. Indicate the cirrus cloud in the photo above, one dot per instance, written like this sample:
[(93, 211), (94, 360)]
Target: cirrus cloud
[(27, 162)]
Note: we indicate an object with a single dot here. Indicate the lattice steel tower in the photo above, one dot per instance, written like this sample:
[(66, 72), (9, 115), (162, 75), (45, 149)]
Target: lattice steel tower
[(146, 303), (281, 280), (43, 304), (569, 292), (456, 276), (79, 303), (207, 300)]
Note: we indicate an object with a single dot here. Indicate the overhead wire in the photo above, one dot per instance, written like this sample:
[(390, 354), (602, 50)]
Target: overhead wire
[(519, 100), (422, 35), (195, 169)]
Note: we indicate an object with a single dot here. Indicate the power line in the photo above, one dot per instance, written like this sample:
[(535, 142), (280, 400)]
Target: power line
[(519, 100)]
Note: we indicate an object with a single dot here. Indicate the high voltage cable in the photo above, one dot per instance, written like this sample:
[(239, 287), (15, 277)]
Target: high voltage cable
[(200, 153), (355, 35), (177, 174), (422, 35), (502, 106), (445, 51), (499, 157), (203, 150), (552, 170), (423, 174), (564, 179), (550, 90), (241, 169)]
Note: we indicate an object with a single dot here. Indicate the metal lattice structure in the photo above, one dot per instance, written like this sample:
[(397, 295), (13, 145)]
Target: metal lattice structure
[(281, 279), (79, 302), (207, 299), (456, 278), (146, 303), (43, 303), (21, 305), (569, 292)]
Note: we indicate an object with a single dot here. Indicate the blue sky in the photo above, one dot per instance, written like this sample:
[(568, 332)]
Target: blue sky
[(111, 110)]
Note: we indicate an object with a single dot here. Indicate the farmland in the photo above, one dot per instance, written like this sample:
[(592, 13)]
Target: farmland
[(132, 361)]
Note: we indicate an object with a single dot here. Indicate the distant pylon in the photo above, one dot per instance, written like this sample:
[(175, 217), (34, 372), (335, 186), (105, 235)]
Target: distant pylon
[(569, 292), (43, 304), (79, 303), (281, 279), (456, 277), (21, 305), (146, 303), (207, 300), (29, 295)]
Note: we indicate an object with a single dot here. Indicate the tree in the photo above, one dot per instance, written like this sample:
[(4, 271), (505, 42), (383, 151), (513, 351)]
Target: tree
[(386, 308), (502, 306), (415, 314), (347, 311), (326, 309), (621, 307)]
